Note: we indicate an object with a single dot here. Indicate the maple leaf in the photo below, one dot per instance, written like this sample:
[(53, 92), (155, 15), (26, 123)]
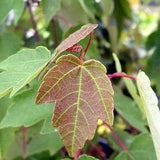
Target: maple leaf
[(82, 93), (74, 38)]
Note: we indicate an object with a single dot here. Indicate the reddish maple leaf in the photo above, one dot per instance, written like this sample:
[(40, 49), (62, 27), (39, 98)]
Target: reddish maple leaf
[(82, 94)]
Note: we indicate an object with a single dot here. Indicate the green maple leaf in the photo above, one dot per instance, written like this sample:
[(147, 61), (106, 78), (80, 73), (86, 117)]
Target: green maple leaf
[(19, 69), (82, 94)]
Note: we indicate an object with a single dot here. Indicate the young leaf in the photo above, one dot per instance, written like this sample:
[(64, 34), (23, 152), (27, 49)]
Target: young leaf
[(74, 38), (82, 94), (21, 68), (150, 103)]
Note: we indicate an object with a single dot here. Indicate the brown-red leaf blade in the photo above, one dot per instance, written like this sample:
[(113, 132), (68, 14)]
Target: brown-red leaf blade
[(83, 94), (74, 38)]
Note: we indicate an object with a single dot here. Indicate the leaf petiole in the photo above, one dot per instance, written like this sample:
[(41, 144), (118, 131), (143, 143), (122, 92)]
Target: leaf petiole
[(88, 45), (118, 74)]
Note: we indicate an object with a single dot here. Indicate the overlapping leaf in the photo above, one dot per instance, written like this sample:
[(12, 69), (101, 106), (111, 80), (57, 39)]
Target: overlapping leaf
[(83, 93), (28, 112), (21, 68), (75, 38)]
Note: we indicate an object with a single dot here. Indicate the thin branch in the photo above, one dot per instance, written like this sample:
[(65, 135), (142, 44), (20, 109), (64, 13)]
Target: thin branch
[(77, 155), (118, 74), (54, 33), (23, 141), (99, 151), (116, 137), (36, 35), (69, 24)]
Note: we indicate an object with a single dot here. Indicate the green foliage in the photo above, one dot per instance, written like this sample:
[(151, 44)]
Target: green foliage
[(34, 142), (13, 44), (153, 64), (18, 7), (50, 7), (126, 138), (6, 138), (4, 10), (24, 106), (127, 108), (122, 10), (28, 36), (141, 148), (17, 75)]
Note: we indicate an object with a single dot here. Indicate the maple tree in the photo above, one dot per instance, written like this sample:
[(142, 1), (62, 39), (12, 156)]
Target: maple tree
[(63, 92)]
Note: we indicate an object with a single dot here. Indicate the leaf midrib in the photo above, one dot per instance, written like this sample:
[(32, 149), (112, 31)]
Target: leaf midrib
[(77, 110)]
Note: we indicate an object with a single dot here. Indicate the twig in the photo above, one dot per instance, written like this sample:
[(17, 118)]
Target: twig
[(77, 155), (119, 140), (23, 141), (118, 74), (69, 24), (99, 151), (36, 35), (54, 33), (116, 137)]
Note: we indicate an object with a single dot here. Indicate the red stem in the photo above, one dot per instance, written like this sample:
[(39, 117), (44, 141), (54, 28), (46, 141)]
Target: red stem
[(89, 43), (24, 141), (54, 33), (36, 35), (99, 151), (69, 24), (77, 155), (118, 74), (116, 137)]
